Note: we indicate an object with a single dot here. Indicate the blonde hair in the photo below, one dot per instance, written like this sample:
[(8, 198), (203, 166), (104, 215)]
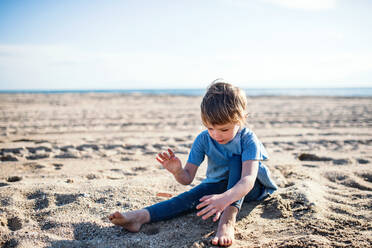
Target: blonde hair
[(223, 103)]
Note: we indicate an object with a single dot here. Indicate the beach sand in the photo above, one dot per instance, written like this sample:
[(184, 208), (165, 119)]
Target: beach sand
[(69, 160)]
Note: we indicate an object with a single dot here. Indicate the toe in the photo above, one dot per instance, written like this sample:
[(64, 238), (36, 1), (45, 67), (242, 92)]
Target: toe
[(215, 241), (224, 241), (229, 242)]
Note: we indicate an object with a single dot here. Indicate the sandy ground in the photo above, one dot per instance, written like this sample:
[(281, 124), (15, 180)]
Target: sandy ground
[(69, 160)]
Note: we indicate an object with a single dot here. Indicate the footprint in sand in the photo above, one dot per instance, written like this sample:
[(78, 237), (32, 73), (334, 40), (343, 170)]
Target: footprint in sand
[(87, 146), (41, 200), (10, 243), (66, 155), (366, 176), (362, 161), (14, 223), (111, 147), (58, 166), (341, 161), (3, 184), (38, 149), (92, 176), (346, 180), (13, 179), (312, 157), (127, 159), (101, 200), (66, 148), (63, 199), (11, 150), (179, 139), (139, 168), (46, 225), (158, 146), (33, 165), (289, 184), (37, 156), (8, 158)]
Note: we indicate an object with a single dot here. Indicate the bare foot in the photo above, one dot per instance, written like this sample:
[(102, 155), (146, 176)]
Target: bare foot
[(131, 221), (225, 232)]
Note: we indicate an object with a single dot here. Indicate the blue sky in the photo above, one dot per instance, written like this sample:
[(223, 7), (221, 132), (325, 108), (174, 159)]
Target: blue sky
[(185, 44)]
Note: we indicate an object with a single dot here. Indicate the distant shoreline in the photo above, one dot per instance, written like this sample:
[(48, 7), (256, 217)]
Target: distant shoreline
[(332, 92)]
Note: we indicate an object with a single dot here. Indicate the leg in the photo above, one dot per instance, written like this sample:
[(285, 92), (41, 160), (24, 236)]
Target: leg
[(235, 172), (185, 202), (225, 231)]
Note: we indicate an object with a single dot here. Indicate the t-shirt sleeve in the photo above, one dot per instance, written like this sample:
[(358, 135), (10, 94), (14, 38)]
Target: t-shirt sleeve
[(197, 152), (253, 149)]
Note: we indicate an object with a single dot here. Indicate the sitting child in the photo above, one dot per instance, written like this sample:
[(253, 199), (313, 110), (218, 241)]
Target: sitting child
[(235, 172)]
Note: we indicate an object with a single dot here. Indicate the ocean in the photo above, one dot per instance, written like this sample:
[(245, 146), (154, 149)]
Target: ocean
[(341, 92)]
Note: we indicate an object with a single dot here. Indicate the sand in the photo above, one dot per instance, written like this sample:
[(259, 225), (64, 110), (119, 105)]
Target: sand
[(69, 160)]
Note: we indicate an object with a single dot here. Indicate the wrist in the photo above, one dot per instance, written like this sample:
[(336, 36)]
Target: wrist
[(228, 197), (178, 172)]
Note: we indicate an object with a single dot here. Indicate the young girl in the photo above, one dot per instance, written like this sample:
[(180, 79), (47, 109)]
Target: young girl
[(235, 172)]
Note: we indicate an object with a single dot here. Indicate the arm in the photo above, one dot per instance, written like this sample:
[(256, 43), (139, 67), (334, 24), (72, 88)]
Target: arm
[(245, 184), (215, 204), (187, 174), (173, 164)]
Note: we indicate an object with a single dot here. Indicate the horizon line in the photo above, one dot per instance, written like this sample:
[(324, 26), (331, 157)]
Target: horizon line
[(177, 89)]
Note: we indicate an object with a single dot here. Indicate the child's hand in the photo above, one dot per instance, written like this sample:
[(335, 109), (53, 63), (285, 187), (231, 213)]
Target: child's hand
[(170, 162), (212, 204)]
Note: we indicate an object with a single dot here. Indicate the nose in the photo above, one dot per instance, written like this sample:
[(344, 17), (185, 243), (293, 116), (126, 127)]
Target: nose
[(216, 135)]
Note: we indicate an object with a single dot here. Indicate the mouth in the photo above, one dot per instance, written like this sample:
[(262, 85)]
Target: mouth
[(220, 141)]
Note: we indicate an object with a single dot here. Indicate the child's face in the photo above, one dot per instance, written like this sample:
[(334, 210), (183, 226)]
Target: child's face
[(223, 133)]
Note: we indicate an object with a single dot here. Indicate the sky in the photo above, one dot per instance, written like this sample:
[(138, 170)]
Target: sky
[(139, 44)]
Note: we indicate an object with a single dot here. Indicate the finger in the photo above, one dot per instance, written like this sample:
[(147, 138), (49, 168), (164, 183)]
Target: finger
[(203, 204), (209, 214), (206, 197), (217, 216), (171, 153), (159, 160), (161, 156), (166, 155), (204, 210)]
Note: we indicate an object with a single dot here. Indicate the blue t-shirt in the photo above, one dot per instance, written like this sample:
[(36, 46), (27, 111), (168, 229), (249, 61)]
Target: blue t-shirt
[(245, 144)]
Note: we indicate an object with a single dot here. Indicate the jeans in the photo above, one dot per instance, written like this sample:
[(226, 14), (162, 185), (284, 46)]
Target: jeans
[(187, 201)]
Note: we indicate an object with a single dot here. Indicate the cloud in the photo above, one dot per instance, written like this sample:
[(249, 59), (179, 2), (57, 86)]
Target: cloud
[(305, 4)]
